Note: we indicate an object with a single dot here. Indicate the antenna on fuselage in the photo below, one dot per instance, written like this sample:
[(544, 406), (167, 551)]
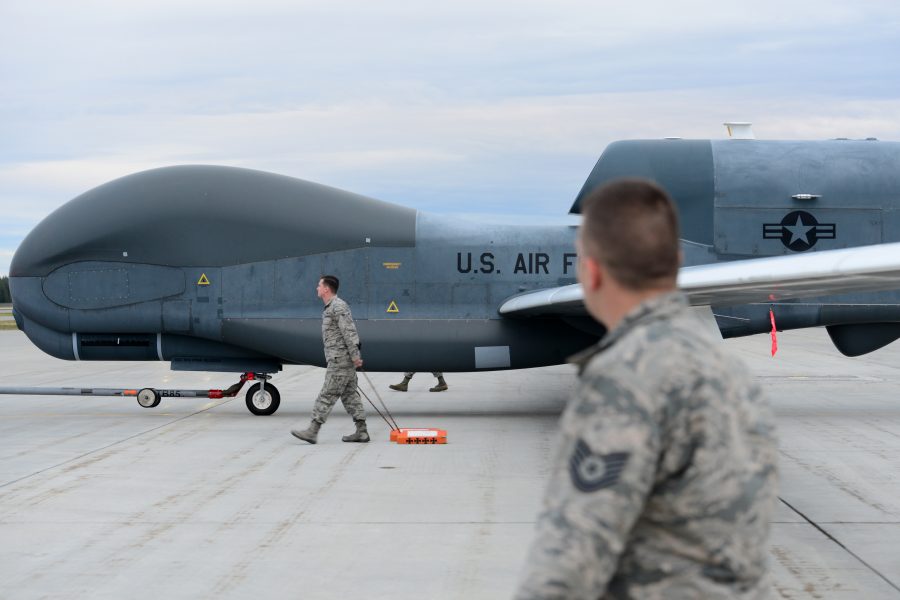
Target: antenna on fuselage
[(739, 130)]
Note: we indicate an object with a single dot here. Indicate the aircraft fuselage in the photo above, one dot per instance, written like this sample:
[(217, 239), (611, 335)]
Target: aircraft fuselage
[(424, 289), (215, 268)]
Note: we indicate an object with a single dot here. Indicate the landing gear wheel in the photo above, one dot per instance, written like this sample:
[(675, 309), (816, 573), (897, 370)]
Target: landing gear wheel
[(148, 398), (265, 403)]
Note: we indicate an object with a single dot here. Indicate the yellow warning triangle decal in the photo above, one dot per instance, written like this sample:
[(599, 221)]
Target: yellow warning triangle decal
[(203, 280), (393, 307)]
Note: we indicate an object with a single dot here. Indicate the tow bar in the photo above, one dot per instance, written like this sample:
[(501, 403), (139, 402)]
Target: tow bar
[(259, 403)]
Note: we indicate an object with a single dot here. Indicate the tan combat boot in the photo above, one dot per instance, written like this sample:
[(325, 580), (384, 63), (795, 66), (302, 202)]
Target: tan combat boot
[(361, 435), (402, 386), (310, 434), (440, 387)]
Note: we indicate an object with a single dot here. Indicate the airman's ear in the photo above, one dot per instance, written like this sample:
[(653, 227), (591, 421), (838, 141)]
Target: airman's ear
[(592, 273)]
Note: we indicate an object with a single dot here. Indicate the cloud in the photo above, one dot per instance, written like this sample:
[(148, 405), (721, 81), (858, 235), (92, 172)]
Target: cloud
[(464, 107)]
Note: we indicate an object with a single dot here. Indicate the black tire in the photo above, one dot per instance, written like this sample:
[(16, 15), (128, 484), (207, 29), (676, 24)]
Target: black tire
[(148, 398), (268, 405)]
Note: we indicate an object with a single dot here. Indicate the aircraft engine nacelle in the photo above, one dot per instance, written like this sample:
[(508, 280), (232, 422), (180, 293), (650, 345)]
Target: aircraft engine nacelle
[(740, 198)]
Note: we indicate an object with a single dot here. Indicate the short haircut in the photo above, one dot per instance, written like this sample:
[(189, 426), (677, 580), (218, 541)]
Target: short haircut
[(631, 227), (332, 282)]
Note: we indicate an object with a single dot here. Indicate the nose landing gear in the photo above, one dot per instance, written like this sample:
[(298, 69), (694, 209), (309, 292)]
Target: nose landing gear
[(263, 398)]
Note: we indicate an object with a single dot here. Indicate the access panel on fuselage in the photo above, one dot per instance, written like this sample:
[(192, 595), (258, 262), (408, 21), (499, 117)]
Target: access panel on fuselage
[(775, 198)]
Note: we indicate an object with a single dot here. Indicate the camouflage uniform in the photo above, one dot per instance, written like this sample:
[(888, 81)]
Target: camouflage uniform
[(341, 349), (664, 482), (409, 374)]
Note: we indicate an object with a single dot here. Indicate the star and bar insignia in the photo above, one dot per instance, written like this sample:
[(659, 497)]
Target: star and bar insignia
[(799, 231)]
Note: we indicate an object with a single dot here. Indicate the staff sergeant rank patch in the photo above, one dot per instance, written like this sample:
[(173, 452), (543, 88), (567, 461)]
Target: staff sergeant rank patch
[(591, 471)]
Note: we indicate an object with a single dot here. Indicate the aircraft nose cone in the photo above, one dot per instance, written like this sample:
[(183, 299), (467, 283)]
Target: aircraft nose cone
[(174, 216), (78, 230)]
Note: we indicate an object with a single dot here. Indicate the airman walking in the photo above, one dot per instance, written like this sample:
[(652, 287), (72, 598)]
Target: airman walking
[(342, 355)]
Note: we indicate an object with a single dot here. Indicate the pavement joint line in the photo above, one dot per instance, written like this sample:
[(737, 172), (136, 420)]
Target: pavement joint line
[(116, 443), (840, 522), (838, 542), (207, 522)]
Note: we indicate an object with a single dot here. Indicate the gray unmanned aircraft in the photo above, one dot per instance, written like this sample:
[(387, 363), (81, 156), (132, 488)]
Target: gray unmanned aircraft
[(214, 268)]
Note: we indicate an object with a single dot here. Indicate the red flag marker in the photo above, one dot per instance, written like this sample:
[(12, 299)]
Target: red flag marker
[(774, 332)]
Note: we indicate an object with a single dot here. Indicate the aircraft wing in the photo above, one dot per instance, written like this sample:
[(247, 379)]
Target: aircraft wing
[(770, 279)]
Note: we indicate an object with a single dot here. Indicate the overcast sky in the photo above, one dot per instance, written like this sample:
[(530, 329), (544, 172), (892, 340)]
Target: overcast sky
[(468, 107)]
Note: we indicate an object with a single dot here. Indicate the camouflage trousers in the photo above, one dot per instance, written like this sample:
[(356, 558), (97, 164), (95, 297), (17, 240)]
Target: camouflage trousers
[(409, 374), (340, 382)]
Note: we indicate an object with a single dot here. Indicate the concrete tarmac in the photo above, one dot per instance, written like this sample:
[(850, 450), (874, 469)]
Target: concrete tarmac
[(198, 498)]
